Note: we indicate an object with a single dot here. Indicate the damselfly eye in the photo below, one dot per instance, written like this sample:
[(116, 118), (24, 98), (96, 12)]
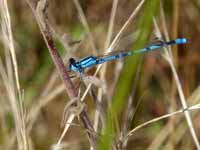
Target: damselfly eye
[(72, 61)]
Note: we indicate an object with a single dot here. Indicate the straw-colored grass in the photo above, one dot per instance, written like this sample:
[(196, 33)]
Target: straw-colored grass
[(140, 102)]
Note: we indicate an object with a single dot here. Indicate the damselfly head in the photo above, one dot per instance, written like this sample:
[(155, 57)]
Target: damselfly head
[(72, 61), (73, 65)]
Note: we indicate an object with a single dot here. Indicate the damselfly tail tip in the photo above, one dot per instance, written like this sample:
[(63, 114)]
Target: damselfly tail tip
[(181, 41)]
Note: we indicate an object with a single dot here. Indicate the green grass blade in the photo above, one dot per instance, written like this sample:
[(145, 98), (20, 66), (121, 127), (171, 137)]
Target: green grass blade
[(128, 73)]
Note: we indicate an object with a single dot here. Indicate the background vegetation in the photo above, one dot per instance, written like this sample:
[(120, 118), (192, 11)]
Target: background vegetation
[(124, 95)]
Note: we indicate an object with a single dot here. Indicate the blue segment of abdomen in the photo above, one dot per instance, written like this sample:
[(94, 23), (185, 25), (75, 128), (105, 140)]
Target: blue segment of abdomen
[(88, 62), (113, 57), (150, 48)]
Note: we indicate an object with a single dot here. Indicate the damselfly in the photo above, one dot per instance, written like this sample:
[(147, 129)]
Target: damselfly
[(90, 61)]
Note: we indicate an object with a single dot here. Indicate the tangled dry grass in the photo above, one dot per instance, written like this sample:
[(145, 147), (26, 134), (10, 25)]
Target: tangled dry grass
[(148, 101)]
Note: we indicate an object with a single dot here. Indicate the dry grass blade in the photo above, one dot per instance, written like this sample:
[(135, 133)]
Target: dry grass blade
[(12, 85), (8, 38), (195, 97), (162, 136), (85, 24), (184, 104), (119, 104), (103, 71), (111, 24), (168, 56), (133, 14), (130, 133)]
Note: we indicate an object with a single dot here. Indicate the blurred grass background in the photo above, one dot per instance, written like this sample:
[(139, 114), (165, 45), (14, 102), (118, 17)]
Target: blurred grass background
[(156, 92)]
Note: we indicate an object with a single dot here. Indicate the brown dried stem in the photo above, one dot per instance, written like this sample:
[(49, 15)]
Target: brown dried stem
[(39, 10)]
